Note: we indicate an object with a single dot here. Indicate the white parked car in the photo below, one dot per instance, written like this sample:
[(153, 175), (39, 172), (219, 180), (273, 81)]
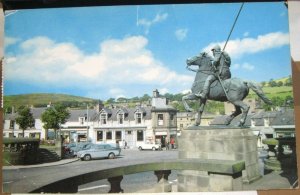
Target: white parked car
[(149, 146), (94, 151)]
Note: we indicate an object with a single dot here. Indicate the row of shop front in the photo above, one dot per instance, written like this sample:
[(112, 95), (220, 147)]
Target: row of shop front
[(129, 137)]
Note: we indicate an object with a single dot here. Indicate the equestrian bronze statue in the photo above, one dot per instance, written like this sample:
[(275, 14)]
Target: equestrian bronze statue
[(233, 90)]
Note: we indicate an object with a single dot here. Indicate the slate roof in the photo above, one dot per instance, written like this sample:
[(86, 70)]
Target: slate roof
[(36, 112), (284, 117), (220, 120), (75, 114), (129, 113)]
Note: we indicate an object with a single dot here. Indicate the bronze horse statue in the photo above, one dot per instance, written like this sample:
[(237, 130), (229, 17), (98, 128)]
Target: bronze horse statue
[(236, 90)]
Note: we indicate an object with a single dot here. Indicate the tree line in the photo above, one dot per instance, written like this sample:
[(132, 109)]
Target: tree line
[(53, 117), (273, 83)]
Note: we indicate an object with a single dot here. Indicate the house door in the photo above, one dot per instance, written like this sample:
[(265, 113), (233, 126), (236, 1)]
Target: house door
[(129, 138)]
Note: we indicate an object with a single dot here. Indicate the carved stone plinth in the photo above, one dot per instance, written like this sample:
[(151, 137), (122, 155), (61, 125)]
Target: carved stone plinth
[(220, 143)]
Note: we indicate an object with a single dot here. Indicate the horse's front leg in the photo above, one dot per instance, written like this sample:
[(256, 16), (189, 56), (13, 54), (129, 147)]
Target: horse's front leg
[(200, 111), (184, 101)]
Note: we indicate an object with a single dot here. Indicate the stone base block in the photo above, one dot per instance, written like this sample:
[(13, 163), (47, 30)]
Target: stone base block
[(200, 181), (221, 143)]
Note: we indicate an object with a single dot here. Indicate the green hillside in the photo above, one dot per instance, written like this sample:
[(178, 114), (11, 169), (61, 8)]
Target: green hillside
[(40, 100), (281, 92)]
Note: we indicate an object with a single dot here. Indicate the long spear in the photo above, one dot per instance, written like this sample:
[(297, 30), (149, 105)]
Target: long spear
[(225, 47)]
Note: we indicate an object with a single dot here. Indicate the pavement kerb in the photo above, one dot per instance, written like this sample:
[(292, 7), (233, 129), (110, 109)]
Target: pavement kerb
[(60, 162)]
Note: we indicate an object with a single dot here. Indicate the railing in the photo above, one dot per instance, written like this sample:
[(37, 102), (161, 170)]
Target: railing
[(161, 169)]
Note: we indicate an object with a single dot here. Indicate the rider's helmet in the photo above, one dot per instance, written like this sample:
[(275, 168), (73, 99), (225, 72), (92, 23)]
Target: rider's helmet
[(216, 48)]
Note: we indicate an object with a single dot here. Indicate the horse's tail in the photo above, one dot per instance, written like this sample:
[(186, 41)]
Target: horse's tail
[(257, 89)]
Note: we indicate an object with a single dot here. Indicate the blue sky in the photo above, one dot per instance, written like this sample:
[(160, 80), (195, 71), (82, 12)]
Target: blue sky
[(127, 51)]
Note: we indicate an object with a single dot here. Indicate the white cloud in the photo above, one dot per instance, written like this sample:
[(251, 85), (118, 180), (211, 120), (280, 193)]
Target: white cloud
[(118, 62), (245, 66), (163, 91), (116, 92), (187, 91), (148, 23), (239, 47), (181, 34), (246, 34), (10, 41)]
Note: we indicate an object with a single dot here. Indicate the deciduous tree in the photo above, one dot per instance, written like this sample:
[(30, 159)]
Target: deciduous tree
[(25, 119)]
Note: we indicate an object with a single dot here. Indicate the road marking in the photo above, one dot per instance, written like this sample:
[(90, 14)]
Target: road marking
[(93, 187)]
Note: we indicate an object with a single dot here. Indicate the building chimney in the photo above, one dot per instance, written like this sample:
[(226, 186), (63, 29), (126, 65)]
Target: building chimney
[(155, 93)]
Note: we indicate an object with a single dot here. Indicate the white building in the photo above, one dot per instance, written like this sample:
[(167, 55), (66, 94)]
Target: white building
[(107, 125)]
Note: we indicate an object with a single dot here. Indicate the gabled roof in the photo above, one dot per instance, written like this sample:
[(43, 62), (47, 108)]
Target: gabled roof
[(220, 120), (129, 113), (106, 110), (36, 113), (122, 111), (76, 114), (284, 117)]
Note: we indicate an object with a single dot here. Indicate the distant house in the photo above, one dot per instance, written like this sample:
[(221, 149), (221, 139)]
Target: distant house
[(164, 120), (144, 123), (185, 119), (78, 126), (229, 107), (266, 124), (120, 125), (11, 128)]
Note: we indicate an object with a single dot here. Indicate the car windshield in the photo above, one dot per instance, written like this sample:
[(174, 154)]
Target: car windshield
[(86, 147)]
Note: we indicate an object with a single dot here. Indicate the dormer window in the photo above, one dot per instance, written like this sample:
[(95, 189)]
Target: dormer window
[(120, 118), (81, 120), (12, 124), (138, 118), (267, 122), (103, 118)]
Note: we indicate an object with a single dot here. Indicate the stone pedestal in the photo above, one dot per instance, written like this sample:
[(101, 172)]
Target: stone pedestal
[(218, 143)]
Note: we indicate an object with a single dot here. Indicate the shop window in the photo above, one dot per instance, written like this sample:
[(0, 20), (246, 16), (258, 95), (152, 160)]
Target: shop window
[(108, 135), (140, 135), (99, 135), (34, 135), (118, 135)]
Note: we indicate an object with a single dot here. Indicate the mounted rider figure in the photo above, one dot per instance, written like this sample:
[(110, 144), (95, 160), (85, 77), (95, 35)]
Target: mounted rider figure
[(221, 64)]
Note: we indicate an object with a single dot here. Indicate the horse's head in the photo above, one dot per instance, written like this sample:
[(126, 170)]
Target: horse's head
[(202, 59)]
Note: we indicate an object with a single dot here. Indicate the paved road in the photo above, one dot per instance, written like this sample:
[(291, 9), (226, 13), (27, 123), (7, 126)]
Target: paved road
[(19, 179)]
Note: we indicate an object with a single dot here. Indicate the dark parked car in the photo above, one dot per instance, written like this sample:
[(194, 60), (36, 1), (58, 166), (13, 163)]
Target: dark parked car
[(73, 148)]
